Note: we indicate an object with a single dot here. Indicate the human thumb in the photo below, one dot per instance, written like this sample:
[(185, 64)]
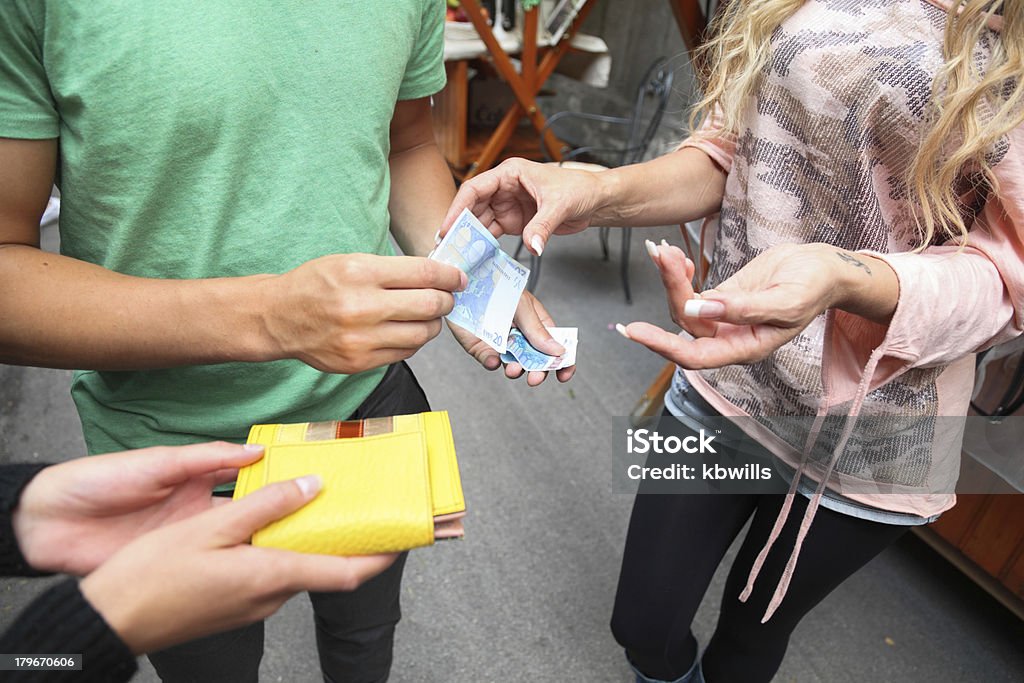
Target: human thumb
[(540, 228), (238, 520)]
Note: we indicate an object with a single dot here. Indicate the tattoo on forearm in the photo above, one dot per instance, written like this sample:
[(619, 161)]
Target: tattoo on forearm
[(855, 262)]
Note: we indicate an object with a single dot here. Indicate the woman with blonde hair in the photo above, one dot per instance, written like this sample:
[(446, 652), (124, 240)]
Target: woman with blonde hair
[(866, 161)]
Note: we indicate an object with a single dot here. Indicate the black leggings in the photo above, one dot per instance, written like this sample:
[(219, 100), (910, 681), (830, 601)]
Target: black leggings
[(673, 547)]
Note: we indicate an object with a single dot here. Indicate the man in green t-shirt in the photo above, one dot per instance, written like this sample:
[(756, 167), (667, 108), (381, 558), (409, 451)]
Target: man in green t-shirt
[(230, 174)]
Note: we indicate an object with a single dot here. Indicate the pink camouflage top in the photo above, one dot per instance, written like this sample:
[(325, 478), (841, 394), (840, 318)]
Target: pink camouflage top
[(821, 156)]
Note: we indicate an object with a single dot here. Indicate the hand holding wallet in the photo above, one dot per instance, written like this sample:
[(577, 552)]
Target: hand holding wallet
[(390, 483)]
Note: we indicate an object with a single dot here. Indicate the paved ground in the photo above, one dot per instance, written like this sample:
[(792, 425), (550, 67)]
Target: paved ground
[(527, 595)]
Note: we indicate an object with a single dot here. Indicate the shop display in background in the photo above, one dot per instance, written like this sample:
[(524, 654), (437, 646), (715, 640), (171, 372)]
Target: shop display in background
[(558, 16), (586, 59), (984, 534)]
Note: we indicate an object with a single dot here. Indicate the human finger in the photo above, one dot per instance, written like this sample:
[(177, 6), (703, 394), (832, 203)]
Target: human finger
[(693, 354), (235, 523), (172, 465), (474, 194), (474, 346), (536, 377), (416, 304), (514, 370), (327, 573), (777, 305), (532, 319), (544, 223), (417, 272), (565, 374)]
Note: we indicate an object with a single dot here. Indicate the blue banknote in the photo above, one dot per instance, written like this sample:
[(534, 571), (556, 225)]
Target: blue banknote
[(522, 352), (496, 281)]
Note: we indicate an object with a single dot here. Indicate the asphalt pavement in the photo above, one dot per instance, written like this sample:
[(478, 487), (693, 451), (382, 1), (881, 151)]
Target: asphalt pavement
[(527, 595)]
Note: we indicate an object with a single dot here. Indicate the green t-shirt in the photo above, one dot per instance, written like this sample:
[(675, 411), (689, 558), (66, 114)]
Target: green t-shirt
[(216, 139)]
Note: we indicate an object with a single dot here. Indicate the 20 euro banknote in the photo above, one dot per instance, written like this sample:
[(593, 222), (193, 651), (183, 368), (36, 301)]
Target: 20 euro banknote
[(496, 281), (522, 352)]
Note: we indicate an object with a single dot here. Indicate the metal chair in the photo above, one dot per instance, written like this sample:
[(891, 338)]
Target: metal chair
[(648, 108)]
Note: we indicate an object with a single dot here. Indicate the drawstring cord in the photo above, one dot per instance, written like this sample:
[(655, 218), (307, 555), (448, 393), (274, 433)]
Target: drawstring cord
[(780, 520), (812, 508)]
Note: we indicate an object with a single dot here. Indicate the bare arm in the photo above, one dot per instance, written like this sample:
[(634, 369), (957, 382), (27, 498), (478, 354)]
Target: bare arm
[(340, 313), (675, 188), (60, 312), (421, 183), (538, 200)]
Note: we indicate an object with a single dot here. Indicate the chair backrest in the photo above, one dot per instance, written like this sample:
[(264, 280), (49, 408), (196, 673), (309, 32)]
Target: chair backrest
[(640, 125), (648, 108)]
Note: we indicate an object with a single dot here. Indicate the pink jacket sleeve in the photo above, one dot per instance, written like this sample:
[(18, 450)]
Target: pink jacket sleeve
[(952, 302), (709, 139)]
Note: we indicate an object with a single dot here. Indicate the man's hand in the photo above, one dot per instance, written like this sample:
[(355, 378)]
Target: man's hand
[(200, 576), (532, 319), (353, 312), (73, 516)]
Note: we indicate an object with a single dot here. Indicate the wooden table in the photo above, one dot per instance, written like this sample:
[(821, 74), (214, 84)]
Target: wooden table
[(450, 106)]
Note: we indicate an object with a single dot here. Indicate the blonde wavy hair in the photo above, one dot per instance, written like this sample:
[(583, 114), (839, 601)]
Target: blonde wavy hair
[(975, 104)]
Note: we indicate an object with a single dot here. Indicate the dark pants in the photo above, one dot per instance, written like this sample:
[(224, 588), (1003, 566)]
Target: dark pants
[(673, 547), (354, 631)]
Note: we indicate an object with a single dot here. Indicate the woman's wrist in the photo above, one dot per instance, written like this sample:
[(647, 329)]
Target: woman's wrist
[(864, 285), (25, 523), (61, 617), (117, 607), (18, 556), (608, 197)]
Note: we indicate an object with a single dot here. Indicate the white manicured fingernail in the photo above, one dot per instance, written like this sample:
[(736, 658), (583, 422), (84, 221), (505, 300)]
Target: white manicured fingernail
[(652, 249), (699, 308), (537, 244), (621, 329), (310, 485), (253, 447), (437, 238)]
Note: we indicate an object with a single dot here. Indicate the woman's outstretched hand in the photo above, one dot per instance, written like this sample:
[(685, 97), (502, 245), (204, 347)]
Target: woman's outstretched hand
[(765, 304), (520, 197)]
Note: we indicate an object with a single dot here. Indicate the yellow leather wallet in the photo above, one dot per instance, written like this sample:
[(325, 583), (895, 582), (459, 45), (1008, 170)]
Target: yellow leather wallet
[(390, 483)]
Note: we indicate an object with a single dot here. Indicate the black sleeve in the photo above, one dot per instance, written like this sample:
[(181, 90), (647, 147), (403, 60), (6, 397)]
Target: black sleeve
[(13, 479), (61, 621)]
